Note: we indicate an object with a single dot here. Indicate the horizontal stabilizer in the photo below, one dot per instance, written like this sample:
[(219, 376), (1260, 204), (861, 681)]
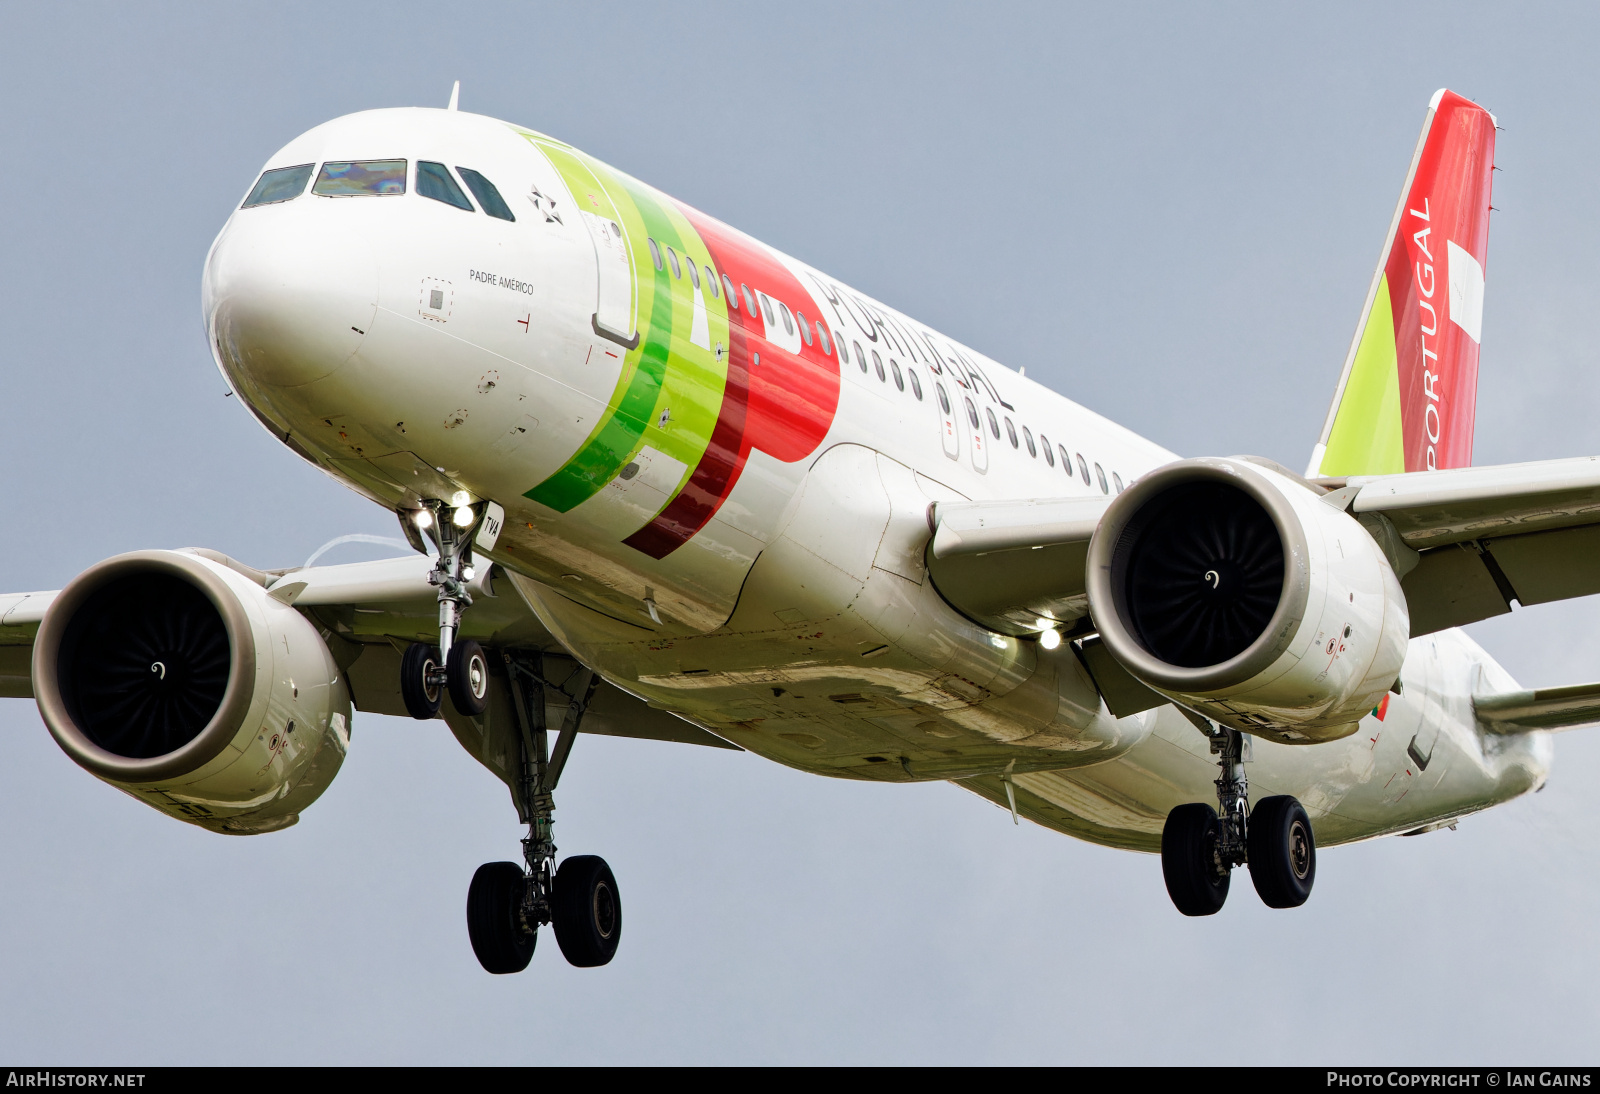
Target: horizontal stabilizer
[(1544, 708)]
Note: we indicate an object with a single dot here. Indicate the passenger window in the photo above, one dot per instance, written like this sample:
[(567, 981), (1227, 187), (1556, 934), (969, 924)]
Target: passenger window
[(749, 301), (1066, 460), (1116, 480), (844, 356), (1028, 439), (822, 337), (434, 181), (766, 310), (364, 178), (994, 426), (944, 400), (916, 384), (733, 295), (788, 320), (489, 199), (711, 283), (877, 363), (281, 184), (861, 358), (1011, 432), (972, 414), (805, 328), (894, 367), (694, 272), (672, 260), (1099, 473), (1049, 453), (655, 251), (1083, 467)]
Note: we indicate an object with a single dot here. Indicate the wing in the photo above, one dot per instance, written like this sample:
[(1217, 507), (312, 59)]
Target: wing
[(368, 612), (1466, 544), (1544, 708)]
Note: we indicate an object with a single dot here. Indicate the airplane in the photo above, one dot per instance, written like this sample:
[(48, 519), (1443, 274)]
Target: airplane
[(665, 482)]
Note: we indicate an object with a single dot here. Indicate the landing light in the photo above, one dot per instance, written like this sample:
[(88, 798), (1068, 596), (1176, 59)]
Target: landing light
[(424, 519), (464, 516), (1050, 639), (460, 498), (467, 573)]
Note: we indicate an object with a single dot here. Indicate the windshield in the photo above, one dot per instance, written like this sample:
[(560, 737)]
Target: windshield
[(279, 184), (488, 197), (362, 178)]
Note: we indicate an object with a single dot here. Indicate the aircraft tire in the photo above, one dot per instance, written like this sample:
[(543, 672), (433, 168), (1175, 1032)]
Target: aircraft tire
[(1188, 860), (468, 673), (587, 911), (499, 939), (416, 665), (1283, 852)]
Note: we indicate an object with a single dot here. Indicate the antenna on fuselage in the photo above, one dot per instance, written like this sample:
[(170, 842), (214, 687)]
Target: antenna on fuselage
[(455, 96)]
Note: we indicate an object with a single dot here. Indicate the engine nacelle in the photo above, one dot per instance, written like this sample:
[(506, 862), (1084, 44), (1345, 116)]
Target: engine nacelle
[(1234, 590), (176, 679)]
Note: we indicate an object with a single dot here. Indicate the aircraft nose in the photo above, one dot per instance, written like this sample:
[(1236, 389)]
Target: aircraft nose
[(289, 295)]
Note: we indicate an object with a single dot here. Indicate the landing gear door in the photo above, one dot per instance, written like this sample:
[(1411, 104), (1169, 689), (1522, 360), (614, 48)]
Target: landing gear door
[(613, 314)]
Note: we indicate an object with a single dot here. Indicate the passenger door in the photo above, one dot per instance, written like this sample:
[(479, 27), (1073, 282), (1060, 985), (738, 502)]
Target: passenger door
[(613, 314)]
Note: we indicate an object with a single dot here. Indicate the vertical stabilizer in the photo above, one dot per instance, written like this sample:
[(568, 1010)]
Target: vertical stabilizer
[(1408, 394)]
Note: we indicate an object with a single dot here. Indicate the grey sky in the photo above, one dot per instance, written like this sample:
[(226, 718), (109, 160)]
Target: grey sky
[(1169, 214)]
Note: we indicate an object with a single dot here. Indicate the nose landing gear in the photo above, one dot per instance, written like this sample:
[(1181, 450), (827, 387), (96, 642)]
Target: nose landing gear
[(507, 903), (1200, 846), (458, 667)]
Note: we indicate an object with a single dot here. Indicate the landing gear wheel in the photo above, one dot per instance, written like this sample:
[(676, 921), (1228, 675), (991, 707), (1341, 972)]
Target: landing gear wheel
[(495, 922), (1283, 852), (1197, 878), (586, 912), (417, 668), (468, 673)]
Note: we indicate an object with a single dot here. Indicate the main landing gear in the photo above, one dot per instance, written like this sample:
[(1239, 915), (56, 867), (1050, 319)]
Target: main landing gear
[(507, 903), (1200, 846)]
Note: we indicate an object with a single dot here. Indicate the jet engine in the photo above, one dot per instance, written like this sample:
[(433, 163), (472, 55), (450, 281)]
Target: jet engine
[(182, 682), (1232, 588)]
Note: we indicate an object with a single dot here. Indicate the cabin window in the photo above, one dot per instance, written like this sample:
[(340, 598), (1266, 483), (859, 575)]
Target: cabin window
[(672, 260), (733, 294), (655, 251), (749, 301), (805, 328), (1066, 460), (1011, 432), (1027, 439), (877, 363), (1083, 468), (788, 320), (822, 337), (1100, 473), (916, 384), (899, 381), (711, 283), (279, 184), (694, 272), (861, 358), (944, 400), (362, 178), (994, 426), (972, 413), (434, 181), (1116, 480), (1049, 453), (489, 199), (766, 310)]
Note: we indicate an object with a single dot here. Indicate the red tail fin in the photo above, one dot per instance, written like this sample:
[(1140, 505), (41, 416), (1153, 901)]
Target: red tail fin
[(1416, 349)]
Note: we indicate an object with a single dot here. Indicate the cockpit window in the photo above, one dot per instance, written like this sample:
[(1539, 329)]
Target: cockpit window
[(434, 181), (489, 198), (362, 178), (280, 184)]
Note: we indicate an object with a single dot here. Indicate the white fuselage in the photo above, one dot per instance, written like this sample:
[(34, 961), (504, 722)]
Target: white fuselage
[(413, 349)]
